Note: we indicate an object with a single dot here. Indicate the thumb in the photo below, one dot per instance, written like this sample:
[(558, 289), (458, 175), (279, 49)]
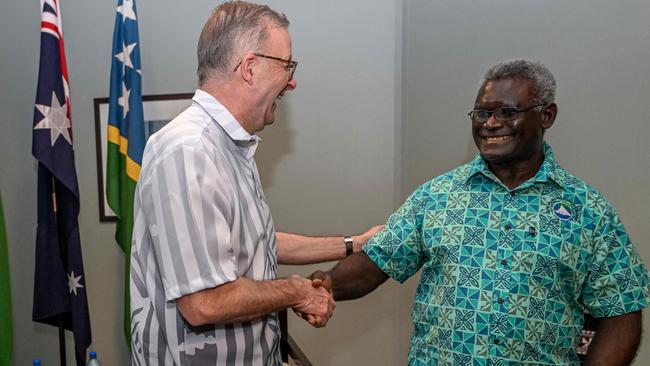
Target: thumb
[(317, 282), (320, 278)]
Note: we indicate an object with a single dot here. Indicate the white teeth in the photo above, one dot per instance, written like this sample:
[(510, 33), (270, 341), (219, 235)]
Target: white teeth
[(497, 138)]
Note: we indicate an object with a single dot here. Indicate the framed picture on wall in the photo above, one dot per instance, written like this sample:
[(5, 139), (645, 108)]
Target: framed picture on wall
[(158, 110)]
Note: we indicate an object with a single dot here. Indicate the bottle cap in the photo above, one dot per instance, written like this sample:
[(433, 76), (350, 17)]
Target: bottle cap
[(93, 354), (36, 362)]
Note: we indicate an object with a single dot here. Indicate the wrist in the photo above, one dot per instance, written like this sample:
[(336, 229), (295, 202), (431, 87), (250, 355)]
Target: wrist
[(295, 288), (359, 242)]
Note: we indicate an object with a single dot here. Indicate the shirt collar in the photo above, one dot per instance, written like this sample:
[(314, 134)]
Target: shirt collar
[(549, 170), (227, 121)]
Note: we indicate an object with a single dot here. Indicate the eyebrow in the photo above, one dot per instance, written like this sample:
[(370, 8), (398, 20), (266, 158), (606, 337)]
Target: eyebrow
[(478, 106)]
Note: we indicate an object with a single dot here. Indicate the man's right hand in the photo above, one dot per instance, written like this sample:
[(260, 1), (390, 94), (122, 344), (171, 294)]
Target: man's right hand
[(316, 304)]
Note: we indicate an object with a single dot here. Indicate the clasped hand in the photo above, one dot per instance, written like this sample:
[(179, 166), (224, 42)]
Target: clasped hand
[(317, 303)]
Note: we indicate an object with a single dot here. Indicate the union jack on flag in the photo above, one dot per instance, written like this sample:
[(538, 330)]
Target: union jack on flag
[(59, 281)]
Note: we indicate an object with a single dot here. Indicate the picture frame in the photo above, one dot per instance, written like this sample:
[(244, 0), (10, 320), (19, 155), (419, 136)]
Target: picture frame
[(158, 109)]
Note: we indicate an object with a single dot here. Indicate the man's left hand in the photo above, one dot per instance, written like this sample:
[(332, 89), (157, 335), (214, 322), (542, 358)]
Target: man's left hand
[(362, 239)]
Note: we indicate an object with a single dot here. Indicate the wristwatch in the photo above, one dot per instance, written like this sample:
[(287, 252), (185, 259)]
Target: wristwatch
[(349, 245)]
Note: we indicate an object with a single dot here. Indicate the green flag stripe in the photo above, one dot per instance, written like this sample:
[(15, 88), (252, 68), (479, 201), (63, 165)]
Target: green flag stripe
[(119, 194)]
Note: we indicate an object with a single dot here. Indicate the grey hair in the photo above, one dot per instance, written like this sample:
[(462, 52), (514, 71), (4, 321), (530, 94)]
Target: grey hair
[(542, 78), (233, 28)]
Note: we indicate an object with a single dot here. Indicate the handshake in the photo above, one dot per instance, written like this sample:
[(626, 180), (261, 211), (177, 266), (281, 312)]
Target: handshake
[(316, 303)]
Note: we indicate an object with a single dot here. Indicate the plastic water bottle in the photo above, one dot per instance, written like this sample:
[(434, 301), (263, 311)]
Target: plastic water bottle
[(36, 362), (93, 360)]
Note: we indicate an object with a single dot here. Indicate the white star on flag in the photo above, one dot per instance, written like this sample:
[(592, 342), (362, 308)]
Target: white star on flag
[(55, 118), (124, 99), (126, 10), (73, 283), (125, 55)]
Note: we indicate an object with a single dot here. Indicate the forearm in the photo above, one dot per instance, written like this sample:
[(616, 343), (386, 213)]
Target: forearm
[(616, 341), (238, 301), (300, 249), (355, 276)]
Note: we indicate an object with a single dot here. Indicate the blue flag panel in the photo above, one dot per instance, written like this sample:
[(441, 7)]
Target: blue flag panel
[(59, 281)]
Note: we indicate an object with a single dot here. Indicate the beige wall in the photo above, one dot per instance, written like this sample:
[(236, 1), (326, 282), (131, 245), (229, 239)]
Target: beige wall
[(383, 89), (328, 166)]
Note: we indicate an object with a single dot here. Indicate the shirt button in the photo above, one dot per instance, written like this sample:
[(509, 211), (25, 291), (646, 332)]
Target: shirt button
[(508, 226), (497, 341), (500, 301), (512, 194), (504, 262)]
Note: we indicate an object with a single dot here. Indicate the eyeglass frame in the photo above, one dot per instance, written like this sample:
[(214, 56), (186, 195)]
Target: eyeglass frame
[(291, 65), (493, 112)]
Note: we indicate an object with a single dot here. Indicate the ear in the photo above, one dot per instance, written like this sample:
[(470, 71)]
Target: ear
[(248, 63), (548, 115)]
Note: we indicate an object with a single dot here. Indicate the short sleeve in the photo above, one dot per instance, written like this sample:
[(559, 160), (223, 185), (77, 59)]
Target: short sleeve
[(396, 249), (187, 203), (617, 282)]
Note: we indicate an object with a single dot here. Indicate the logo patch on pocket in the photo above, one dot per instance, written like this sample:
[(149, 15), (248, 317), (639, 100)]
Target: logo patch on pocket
[(562, 210)]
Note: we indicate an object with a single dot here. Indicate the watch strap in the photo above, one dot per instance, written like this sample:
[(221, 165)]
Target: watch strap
[(349, 245)]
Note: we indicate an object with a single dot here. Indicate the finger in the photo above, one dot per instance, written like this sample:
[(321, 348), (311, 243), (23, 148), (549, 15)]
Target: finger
[(317, 282), (313, 320), (323, 321), (319, 322), (327, 281), (324, 277), (319, 275)]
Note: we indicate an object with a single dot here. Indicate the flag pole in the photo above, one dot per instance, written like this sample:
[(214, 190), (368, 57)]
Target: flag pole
[(61, 341), (61, 320)]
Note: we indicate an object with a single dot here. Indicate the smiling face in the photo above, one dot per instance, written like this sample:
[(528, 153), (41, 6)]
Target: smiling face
[(517, 141), (274, 78)]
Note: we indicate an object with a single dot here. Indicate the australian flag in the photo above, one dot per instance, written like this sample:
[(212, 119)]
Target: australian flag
[(59, 281)]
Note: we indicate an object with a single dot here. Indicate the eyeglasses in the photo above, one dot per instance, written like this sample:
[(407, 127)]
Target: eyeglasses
[(502, 114), (290, 65)]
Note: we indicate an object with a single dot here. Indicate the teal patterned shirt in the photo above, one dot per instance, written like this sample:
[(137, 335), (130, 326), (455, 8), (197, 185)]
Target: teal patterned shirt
[(506, 273)]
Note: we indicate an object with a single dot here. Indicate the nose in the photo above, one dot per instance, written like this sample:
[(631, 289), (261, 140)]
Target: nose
[(291, 84), (492, 122)]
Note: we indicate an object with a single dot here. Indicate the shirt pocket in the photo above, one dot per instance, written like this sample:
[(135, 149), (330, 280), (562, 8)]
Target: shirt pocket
[(551, 261)]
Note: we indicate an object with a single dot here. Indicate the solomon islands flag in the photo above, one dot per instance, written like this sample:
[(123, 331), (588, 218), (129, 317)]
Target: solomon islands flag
[(125, 133)]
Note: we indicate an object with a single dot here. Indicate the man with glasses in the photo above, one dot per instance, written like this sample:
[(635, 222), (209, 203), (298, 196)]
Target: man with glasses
[(203, 264), (512, 247)]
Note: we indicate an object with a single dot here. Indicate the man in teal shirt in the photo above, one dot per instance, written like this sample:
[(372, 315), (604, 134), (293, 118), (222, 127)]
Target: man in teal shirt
[(512, 247)]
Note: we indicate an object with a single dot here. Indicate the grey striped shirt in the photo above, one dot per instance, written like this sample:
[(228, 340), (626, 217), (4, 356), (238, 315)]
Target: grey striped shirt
[(201, 220)]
